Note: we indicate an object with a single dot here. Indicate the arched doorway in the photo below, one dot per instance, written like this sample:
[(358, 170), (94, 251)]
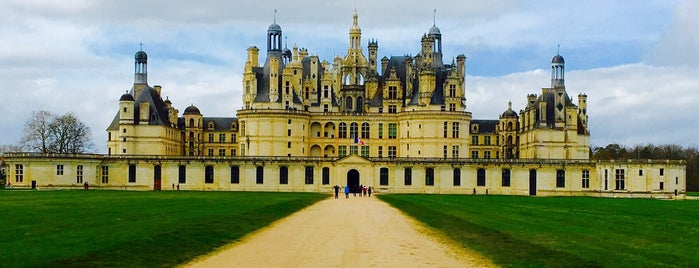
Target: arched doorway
[(353, 180)]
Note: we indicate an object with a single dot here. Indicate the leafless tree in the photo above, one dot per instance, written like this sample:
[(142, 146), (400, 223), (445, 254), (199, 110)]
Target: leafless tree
[(48, 133), (36, 132)]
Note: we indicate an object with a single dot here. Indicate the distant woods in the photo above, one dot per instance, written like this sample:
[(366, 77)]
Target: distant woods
[(670, 151)]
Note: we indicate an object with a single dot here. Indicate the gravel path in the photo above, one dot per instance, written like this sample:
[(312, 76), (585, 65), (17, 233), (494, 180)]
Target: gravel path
[(354, 232)]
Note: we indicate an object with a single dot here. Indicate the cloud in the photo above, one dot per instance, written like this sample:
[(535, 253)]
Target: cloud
[(680, 44)]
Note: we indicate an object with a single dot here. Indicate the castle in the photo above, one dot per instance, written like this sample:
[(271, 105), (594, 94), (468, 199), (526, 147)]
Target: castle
[(358, 122)]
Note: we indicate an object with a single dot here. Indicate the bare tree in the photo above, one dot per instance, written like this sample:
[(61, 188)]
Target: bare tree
[(36, 132), (48, 133)]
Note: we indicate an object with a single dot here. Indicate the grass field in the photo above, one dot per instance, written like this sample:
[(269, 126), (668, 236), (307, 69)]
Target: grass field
[(693, 193), (130, 229), (516, 231)]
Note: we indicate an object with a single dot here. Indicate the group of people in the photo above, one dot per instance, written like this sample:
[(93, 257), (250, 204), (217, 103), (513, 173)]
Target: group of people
[(361, 189)]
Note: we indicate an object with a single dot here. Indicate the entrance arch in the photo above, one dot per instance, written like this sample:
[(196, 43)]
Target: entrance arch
[(353, 180)]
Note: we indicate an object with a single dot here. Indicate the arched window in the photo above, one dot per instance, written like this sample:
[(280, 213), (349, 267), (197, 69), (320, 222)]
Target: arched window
[(348, 104), (191, 122), (360, 104), (343, 130), (354, 129), (509, 126)]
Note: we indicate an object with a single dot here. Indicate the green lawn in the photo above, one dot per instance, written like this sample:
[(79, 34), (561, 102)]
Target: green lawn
[(693, 193), (523, 231), (131, 229)]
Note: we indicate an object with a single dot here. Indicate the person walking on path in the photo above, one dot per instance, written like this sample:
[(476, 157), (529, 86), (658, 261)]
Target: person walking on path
[(369, 190), (347, 191), (337, 190), (364, 190)]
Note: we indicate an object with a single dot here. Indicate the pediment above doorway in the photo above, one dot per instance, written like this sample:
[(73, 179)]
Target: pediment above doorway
[(353, 159)]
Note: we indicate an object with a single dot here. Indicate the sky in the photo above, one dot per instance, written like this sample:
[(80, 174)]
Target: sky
[(637, 61)]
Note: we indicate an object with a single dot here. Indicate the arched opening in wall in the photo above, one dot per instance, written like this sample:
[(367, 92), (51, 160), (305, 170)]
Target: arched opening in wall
[(316, 151), (353, 180), (532, 182), (157, 178), (348, 104), (329, 151), (360, 105)]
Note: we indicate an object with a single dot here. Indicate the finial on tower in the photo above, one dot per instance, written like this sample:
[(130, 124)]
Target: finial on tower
[(275, 15), (434, 17), (558, 50), (141, 44)]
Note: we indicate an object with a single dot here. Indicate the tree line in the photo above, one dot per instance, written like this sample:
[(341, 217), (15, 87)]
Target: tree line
[(689, 154)]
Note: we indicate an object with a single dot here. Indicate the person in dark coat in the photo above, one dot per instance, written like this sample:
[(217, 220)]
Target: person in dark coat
[(337, 190)]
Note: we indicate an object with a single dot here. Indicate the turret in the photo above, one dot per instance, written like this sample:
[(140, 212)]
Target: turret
[(253, 57), (126, 109), (384, 64), (557, 71), (373, 48), (141, 68)]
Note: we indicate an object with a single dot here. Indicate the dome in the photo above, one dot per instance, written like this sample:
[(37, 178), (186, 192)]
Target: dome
[(274, 28), (126, 97), (192, 110), (434, 31), (141, 56), (558, 59), (286, 53), (509, 113)]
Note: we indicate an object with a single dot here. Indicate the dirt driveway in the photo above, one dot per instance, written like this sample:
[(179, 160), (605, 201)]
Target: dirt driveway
[(354, 232)]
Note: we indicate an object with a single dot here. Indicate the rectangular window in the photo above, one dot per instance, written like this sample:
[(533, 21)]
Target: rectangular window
[(392, 151), (392, 109), (474, 154), (392, 130), (209, 174), (506, 177), (560, 178), (480, 177), (446, 125), (211, 152), (455, 130), (259, 175), (132, 173), (79, 172), (486, 140), (380, 151), (365, 151), (383, 176), (235, 174), (585, 179), (620, 180), (309, 175), (662, 185), (222, 137), (380, 130), (474, 140), (486, 154), (445, 151), (662, 172), (19, 173), (221, 152), (59, 169), (232, 152), (182, 174), (455, 151), (326, 175), (211, 137), (640, 172), (342, 150), (288, 132), (233, 138), (429, 176), (354, 149), (408, 176), (457, 177), (105, 174)]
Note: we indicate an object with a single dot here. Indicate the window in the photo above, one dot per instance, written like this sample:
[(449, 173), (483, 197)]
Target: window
[(392, 109), (446, 125), (260, 176), (283, 175), (232, 152), (309, 175), (429, 176), (662, 172), (606, 179), (211, 137), (365, 130), (343, 131), (365, 151), (455, 130), (486, 140), (474, 140), (19, 173), (445, 151), (480, 177), (79, 172), (222, 137), (392, 92), (383, 176), (560, 178), (662, 185), (457, 177), (221, 152), (640, 172), (209, 174), (342, 150), (132, 173), (486, 154), (620, 180), (182, 174), (455, 151), (585, 178), (391, 151), (233, 137), (211, 152), (380, 151), (235, 174), (380, 130), (326, 175), (59, 169), (288, 144), (105, 174), (353, 130), (392, 130), (408, 176), (474, 154), (506, 177), (354, 149)]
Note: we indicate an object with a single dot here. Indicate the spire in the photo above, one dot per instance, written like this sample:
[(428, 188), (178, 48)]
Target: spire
[(275, 16), (434, 17)]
